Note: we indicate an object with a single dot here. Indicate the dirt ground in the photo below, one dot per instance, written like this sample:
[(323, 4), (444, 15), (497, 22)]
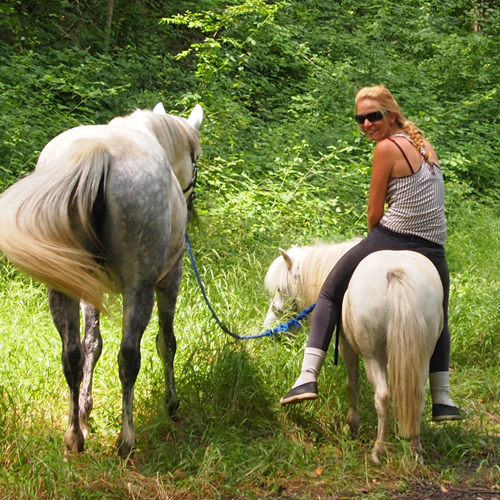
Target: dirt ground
[(416, 491), (423, 492)]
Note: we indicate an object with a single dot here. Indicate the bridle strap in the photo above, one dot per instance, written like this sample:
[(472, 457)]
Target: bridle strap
[(191, 186), (194, 177)]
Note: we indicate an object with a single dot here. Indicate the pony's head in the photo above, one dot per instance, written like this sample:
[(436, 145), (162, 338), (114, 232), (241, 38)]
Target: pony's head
[(283, 283), (295, 279)]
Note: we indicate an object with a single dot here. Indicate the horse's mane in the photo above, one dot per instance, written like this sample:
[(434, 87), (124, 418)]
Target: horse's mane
[(172, 137), (311, 266)]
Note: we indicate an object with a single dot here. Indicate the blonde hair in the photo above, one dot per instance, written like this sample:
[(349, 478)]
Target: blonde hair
[(385, 102)]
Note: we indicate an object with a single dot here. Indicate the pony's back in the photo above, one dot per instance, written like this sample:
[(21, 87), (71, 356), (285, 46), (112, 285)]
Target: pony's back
[(317, 264)]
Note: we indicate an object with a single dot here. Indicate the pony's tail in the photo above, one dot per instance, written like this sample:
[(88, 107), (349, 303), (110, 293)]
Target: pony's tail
[(407, 354), (45, 218)]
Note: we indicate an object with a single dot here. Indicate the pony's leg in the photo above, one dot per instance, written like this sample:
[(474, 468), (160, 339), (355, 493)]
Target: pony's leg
[(351, 361), (92, 348), (138, 304), (416, 444), (166, 293), (376, 371), (65, 313)]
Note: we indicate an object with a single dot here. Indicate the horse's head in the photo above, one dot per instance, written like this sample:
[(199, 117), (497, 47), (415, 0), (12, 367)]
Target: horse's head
[(283, 281), (183, 164), (179, 138)]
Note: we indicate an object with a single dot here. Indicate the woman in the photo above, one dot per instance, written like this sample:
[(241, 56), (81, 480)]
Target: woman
[(406, 175)]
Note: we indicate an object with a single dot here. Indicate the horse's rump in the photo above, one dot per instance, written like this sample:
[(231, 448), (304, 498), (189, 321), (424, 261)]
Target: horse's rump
[(60, 223), (39, 215)]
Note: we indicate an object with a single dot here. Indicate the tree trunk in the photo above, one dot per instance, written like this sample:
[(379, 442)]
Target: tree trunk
[(109, 19)]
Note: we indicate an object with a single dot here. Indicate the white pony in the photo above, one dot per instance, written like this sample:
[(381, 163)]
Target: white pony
[(392, 315)]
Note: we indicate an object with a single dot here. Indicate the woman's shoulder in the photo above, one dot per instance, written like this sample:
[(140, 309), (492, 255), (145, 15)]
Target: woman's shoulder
[(390, 148), (385, 146)]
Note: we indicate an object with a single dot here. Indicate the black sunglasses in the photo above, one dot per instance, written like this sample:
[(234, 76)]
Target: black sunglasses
[(375, 116)]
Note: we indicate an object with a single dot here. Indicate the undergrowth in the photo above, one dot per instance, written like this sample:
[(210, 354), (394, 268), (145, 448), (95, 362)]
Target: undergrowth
[(231, 438)]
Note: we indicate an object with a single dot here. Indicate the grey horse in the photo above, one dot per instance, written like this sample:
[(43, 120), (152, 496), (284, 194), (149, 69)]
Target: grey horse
[(104, 212)]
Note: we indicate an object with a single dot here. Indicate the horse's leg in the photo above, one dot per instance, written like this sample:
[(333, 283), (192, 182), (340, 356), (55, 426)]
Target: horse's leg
[(92, 348), (65, 313), (138, 304), (376, 371), (351, 361), (166, 345)]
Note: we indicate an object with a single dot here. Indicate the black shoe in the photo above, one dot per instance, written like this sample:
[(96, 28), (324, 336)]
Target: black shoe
[(441, 413), (301, 393)]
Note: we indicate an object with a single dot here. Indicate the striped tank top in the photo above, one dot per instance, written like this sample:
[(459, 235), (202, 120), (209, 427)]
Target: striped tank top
[(416, 202)]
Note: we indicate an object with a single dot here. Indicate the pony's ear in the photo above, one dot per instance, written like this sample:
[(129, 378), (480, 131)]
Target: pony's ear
[(159, 109), (286, 258), (196, 117)]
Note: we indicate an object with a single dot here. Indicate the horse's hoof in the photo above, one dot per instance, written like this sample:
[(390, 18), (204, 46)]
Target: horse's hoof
[(354, 429), (173, 407), (75, 442), (125, 450), (419, 455), (85, 427)]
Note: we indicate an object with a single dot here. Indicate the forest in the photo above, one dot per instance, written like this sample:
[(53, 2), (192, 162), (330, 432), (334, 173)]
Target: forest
[(283, 164)]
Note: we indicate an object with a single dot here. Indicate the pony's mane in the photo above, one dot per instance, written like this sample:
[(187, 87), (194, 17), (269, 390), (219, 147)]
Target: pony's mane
[(311, 266), (173, 133), (277, 275)]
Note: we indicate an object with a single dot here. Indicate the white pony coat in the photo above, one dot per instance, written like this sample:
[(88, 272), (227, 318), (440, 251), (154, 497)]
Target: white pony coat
[(392, 315), (299, 274)]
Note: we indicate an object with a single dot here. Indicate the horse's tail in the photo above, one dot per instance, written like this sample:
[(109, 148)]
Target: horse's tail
[(407, 353), (46, 217)]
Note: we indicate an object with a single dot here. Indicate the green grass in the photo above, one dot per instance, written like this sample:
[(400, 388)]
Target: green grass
[(232, 439)]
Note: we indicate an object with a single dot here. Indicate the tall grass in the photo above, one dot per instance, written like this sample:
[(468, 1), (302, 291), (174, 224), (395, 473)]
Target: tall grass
[(231, 438)]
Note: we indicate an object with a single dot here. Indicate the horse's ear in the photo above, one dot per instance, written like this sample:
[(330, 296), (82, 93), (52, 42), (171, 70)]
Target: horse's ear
[(196, 117), (159, 109), (286, 258)]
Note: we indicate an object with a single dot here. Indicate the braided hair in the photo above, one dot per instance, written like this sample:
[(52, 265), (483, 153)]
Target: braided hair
[(386, 103)]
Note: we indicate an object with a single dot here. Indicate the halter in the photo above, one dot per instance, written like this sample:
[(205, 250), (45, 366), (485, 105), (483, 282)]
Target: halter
[(191, 185)]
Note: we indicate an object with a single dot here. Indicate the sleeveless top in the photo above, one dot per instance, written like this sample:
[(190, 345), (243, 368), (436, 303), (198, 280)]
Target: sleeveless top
[(416, 201)]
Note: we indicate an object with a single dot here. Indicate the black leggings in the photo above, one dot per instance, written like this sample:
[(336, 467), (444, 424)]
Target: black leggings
[(329, 305)]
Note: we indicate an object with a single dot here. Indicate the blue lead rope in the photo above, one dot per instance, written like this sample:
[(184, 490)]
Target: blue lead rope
[(295, 322)]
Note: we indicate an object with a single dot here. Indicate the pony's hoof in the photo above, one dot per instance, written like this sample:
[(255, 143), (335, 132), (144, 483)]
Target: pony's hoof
[(377, 452), (375, 458)]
